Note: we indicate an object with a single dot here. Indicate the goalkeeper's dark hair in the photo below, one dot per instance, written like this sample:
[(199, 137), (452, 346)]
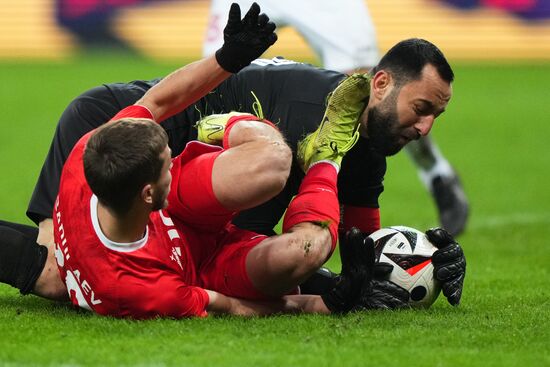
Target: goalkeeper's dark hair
[(121, 157), (406, 60)]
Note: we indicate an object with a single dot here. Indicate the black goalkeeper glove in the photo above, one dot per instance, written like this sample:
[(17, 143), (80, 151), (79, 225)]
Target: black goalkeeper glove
[(245, 40), (382, 294), (449, 264), (357, 259)]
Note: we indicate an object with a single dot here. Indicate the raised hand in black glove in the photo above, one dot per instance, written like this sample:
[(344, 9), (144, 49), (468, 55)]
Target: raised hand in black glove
[(356, 259), (245, 39), (382, 294), (449, 264)]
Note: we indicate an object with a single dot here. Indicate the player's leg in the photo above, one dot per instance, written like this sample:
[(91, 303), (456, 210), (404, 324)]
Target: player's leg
[(252, 266), (22, 259), (258, 152), (207, 189), (280, 263), (439, 177), (29, 231)]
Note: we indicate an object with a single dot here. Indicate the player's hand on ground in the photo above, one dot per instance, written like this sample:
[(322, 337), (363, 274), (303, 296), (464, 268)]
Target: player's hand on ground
[(449, 264), (357, 265), (382, 294), (245, 39)]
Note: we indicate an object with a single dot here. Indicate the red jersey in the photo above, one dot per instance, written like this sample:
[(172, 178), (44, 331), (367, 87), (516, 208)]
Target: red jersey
[(155, 276)]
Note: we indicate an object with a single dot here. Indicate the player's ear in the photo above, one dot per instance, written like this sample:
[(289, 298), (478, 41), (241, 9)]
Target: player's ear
[(147, 194), (381, 84)]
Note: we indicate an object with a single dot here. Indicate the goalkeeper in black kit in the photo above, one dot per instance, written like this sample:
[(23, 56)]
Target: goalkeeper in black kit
[(409, 88)]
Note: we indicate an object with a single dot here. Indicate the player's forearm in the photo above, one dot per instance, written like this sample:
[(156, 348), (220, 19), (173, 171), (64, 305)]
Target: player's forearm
[(289, 304), (183, 87)]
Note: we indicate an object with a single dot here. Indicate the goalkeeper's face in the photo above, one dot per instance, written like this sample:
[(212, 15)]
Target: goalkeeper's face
[(383, 128), (405, 112)]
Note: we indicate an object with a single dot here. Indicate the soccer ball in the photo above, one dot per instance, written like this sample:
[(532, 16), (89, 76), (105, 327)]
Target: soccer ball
[(410, 253)]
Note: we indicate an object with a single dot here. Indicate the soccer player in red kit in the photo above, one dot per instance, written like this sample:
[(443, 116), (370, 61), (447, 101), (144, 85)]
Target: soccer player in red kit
[(120, 253), (139, 235)]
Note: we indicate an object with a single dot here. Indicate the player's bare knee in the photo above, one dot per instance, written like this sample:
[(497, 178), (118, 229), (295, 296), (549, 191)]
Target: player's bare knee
[(281, 156), (273, 163)]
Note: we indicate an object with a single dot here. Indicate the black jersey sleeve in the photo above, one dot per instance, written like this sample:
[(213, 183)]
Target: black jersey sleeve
[(360, 181)]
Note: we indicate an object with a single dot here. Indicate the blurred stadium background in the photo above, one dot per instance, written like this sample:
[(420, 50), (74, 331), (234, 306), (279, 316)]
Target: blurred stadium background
[(464, 29)]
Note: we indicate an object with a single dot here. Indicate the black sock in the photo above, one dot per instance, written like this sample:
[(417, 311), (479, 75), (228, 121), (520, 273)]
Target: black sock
[(21, 258), (29, 231)]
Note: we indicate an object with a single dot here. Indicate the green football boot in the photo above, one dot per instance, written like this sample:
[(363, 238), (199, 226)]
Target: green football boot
[(338, 131), (211, 128)]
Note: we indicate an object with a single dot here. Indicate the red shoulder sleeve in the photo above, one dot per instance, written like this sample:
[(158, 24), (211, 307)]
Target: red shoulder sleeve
[(134, 111)]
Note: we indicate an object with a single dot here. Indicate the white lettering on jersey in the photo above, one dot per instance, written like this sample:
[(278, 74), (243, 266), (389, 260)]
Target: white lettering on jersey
[(173, 233), (166, 219), (61, 250), (74, 286), (276, 61), (74, 289), (80, 288), (176, 256)]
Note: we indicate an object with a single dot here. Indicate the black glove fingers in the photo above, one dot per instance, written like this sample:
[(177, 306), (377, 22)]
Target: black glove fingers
[(245, 40), (384, 301), (345, 247), (271, 38), (356, 251), (234, 19), (383, 295), (251, 17), (447, 255), (263, 19), (451, 270), (400, 294), (439, 237), (452, 289), (269, 27), (382, 270), (369, 257)]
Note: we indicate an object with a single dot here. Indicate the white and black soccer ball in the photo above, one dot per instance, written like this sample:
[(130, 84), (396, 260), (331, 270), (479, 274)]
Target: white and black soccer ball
[(410, 253)]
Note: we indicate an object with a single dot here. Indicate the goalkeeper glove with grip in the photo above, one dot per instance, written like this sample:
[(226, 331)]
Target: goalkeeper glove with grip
[(245, 39), (449, 264)]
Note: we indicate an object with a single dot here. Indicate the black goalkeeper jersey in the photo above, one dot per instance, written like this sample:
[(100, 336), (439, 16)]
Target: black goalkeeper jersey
[(292, 96)]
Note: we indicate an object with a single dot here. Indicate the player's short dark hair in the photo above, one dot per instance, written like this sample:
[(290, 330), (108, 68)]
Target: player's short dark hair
[(121, 157), (405, 61)]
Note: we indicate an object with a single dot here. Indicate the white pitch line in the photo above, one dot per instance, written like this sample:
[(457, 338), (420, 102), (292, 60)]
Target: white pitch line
[(506, 220)]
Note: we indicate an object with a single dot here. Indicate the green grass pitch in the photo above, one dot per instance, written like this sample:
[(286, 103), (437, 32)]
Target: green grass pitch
[(495, 132)]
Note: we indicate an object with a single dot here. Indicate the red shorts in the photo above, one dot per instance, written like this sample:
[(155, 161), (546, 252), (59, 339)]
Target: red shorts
[(218, 248), (225, 270), (191, 199)]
